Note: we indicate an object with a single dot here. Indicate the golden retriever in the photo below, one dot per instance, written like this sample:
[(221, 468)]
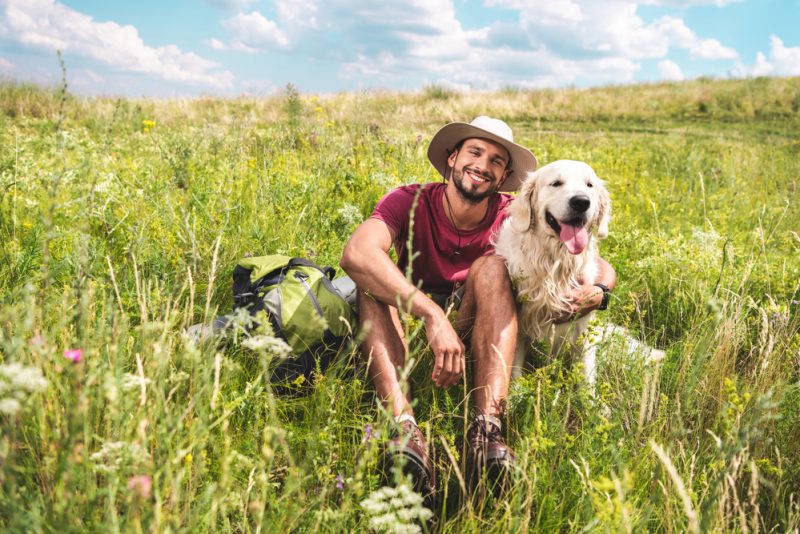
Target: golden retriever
[(549, 242)]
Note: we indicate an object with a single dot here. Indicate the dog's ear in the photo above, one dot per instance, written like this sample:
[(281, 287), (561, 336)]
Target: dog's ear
[(603, 213), (522, 213)]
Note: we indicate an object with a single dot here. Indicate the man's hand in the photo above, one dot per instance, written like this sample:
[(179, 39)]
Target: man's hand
[(582, 300), (448, 351)]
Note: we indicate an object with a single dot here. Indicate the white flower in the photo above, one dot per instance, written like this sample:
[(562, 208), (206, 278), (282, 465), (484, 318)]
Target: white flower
[(395, 510), (17, 383), (22, 378), (9, 406), (132, 381), (116, 455), (349, 215), (272, 345)]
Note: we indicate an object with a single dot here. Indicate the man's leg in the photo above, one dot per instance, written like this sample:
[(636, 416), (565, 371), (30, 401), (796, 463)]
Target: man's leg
[(385, 351), (490, 309)]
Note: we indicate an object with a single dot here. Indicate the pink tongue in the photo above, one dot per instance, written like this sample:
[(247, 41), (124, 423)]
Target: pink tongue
[(574, 237)]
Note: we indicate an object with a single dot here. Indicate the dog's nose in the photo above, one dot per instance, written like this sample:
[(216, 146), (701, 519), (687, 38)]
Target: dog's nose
[(580, 203)]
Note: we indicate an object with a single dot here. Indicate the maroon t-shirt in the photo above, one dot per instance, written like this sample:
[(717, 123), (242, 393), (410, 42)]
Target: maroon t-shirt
[(435, 239)]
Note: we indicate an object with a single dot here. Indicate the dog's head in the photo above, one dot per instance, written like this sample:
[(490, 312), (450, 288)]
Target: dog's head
[(565, 198)]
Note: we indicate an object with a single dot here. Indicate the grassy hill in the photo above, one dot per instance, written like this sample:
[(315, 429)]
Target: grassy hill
[(121, 221)]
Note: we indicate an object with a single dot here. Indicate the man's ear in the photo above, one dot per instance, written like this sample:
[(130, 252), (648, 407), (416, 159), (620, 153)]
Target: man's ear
[(523, 208), (451, 159)]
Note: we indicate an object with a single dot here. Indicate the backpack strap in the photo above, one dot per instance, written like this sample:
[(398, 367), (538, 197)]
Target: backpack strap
[(329, 272)]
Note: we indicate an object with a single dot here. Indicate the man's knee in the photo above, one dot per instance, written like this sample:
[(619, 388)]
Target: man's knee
[(488, 276)]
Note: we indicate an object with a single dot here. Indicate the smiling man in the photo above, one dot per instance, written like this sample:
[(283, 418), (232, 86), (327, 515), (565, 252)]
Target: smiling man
[(452, 266)]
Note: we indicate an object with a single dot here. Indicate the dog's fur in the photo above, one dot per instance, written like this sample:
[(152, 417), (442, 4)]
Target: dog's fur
[(549, 242)]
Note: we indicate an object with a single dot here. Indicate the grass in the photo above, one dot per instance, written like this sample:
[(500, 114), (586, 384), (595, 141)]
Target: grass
[(121, 221)]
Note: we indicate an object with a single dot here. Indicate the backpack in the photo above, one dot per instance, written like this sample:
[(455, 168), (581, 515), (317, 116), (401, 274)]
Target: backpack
[(303, 307)]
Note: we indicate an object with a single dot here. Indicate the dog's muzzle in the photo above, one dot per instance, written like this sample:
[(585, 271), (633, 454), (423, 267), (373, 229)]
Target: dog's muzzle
[(579, 203)]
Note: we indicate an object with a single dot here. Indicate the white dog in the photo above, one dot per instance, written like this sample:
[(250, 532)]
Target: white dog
[(549, 242)]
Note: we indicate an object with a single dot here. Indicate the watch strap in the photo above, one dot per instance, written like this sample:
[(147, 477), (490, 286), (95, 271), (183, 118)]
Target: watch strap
[(606, 296)]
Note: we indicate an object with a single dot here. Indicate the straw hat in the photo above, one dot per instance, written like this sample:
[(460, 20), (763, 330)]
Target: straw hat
[(444, 142)]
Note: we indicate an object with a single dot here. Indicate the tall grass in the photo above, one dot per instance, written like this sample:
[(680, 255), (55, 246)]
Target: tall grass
[(120, 223)]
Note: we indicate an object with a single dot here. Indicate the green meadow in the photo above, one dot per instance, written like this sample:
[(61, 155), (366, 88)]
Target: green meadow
[(121, 221)]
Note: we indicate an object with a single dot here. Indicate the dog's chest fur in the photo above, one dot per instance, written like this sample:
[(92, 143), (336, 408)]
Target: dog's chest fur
[(542, 272)]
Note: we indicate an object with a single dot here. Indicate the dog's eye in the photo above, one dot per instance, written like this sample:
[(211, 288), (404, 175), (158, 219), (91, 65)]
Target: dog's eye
[(589, 184), (556, 183)]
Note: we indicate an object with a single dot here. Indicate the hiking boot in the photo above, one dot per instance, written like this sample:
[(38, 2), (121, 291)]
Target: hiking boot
[(487, 452), (407, 445)]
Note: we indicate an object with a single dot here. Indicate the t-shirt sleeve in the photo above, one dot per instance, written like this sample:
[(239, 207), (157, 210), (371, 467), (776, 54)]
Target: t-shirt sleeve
[(394, 209)]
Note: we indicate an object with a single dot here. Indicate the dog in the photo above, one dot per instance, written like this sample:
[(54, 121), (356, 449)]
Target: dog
[(549, 243)]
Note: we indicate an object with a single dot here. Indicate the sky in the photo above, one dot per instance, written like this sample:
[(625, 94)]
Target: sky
[(175, 48)]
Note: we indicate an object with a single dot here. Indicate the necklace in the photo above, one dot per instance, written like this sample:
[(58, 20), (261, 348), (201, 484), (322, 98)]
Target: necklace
[(457, 251)]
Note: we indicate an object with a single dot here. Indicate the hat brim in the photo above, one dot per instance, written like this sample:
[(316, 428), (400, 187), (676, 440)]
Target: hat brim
[(444, 142)]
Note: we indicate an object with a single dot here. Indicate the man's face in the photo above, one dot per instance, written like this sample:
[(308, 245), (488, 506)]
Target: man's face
[(479, 168)]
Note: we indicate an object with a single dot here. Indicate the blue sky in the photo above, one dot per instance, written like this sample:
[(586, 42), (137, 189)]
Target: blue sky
[(228, 47)]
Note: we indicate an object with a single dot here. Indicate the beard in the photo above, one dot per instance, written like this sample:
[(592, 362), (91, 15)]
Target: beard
[(473, 197)]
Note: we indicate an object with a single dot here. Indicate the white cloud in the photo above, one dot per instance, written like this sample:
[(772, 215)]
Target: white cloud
[(670, 71), (782, 61), (48, 24), (6, 65), (682, 37), (253, 31)]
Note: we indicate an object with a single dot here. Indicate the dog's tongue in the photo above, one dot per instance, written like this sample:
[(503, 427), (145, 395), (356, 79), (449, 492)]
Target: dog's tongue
[(574, 237)]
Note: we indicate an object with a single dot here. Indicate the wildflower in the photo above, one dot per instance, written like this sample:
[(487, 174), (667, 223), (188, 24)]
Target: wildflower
[(395, 509), (339, 482), (9, 406), (140, 486), (188, 459), (131, 381), (367, 433), (74, 355), (349, 214), (272, 345), (17, 382), (118, 455)]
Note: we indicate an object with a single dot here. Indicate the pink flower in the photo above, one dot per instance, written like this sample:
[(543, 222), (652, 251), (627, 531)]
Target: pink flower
[(73, 354), (141, 486)]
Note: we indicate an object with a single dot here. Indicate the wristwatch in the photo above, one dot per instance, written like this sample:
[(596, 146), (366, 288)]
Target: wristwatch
[(606, 296)]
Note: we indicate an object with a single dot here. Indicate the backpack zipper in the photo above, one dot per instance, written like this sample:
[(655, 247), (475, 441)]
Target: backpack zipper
[(302, 277)]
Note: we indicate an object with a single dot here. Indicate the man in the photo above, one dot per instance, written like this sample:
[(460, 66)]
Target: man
[(450, 256)]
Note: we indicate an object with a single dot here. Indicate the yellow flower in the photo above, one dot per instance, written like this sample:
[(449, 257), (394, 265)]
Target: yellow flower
[(188, 459)]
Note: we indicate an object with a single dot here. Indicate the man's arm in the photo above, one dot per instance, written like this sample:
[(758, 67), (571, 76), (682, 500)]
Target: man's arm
[(367, 262), (589, 297)]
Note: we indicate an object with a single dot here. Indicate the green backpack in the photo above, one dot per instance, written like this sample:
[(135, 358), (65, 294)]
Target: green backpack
[(303, 306)]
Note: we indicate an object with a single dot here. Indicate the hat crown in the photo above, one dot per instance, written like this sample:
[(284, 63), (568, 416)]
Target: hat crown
[(494, 126)]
